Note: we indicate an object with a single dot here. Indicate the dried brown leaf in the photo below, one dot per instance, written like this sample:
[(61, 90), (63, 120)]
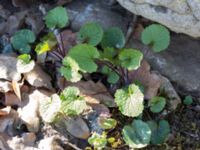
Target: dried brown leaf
[(75, 126), (12, 99), (8, 68), (38, 78), (94, 92), (150, 80)]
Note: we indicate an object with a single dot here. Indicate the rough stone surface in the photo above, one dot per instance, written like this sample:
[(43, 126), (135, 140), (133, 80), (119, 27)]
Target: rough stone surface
[(105, 13), (181, 16), (180, 62)]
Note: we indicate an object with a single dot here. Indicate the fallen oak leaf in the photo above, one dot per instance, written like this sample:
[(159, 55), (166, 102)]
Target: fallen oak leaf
[(30, 107)]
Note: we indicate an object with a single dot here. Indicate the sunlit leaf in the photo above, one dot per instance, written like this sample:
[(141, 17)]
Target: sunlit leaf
[(130, 101), (24, 63), (49, 108), (130, 58), (25, 58), (98, 141), (72, 104), (107, 123), (47, 43), (70, 70)]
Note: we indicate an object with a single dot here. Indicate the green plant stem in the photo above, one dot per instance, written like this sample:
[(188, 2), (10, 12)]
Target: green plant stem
[(108, 64)]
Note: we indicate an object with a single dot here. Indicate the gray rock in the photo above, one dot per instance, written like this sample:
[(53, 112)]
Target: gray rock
[(108, 15), (180, 63), (181, 16)]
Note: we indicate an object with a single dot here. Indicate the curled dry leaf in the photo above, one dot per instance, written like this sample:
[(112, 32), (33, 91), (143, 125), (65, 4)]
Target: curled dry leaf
[(151, 81), (16, 88), (94, 92), (30, 107), (8, 68), (75, 126), (38, 78), (5, 86)]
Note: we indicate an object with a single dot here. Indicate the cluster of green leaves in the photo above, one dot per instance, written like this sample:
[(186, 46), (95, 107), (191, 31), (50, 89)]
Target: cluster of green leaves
[(69, 103), (139, 134), (22, 40), (106, 48), (95, 44)]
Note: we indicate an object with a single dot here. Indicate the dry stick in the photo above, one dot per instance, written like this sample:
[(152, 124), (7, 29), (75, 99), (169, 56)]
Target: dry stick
[(128, 37), (72, 145)]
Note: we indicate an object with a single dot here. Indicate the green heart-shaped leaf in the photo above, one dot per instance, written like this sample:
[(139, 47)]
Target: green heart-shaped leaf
[(130, 58), (157, 104), (91, 33), (137, 135), (157, 36), (56, 18), (22, 39), (159, 131), (130, 101), (113, 37), (85, 56)]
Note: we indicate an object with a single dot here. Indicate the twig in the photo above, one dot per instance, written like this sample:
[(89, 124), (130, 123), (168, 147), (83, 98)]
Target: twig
[(128, 36), (131, 28), (72, 145)]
